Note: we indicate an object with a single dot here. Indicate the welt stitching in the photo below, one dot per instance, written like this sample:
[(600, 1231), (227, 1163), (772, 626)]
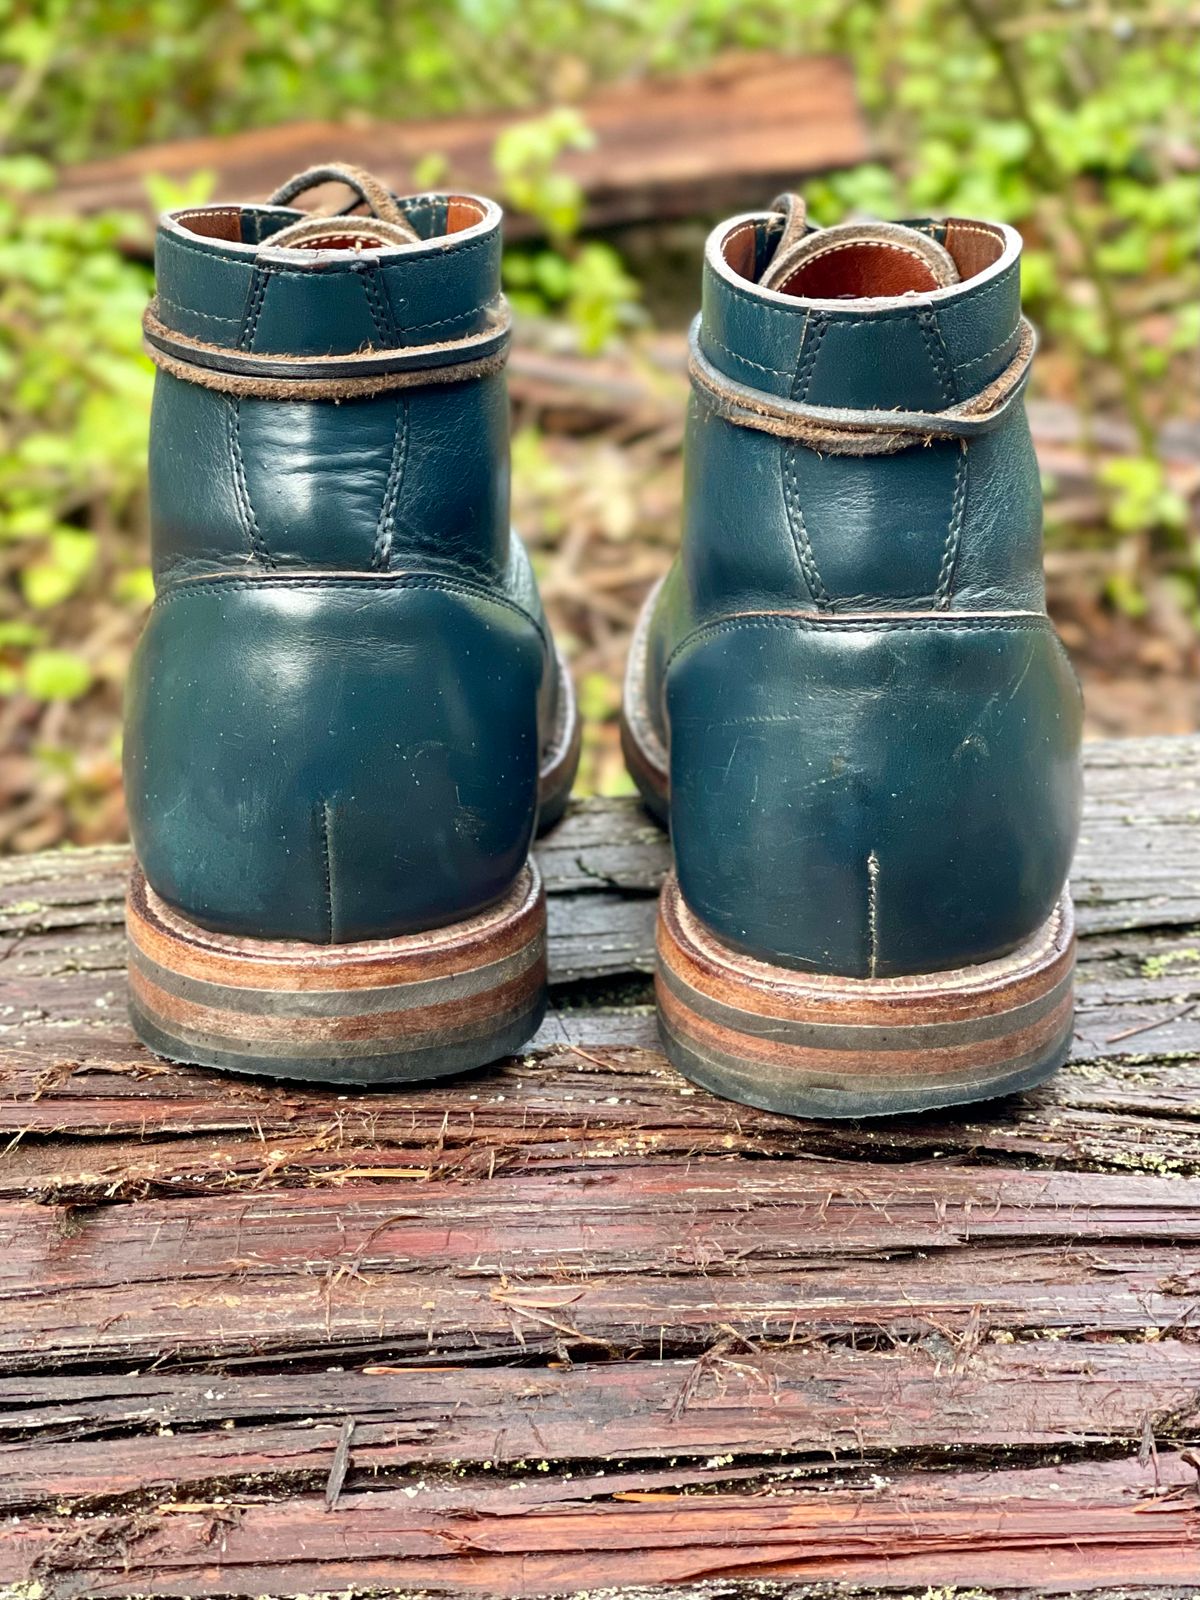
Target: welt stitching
[(777, 372), (867, 625), (490, 241), (973, 227), (379, 307), (191, 588), (327, 864), (440, 322), (973, 361), (255, 296), (935, 345), (799, 530), (950, 550), (176, 243), (856, 244), (241, 488), (1002, 283), (381, 554), (757, 301), (415, 327), (804, 373), (190, 311), (738, 233)]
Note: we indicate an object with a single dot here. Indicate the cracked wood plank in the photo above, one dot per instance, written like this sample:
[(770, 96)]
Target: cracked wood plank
[(190, 1436), (650, 1254), (1052, 1529)]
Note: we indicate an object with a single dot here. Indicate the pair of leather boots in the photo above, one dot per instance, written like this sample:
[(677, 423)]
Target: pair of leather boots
[(347, 719)]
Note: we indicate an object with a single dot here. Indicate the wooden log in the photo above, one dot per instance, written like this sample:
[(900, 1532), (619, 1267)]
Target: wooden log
[(199, 1435), (727, 137), (1048, 1530)]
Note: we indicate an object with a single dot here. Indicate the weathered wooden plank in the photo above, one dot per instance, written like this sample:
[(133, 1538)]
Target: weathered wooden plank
[(1129, 1098), (1061, 1529), (184, 1436), (316, 1318), (663, 147), (644, 1254), (579, 1105)]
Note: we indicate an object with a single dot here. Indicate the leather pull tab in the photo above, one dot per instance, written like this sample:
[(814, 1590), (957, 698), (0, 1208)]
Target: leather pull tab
[(795, 229), (368, 189), (860, 260)]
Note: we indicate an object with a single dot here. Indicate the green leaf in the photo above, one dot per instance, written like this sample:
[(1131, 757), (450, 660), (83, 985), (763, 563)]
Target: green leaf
[(70, 558), (56, 675), (26, 174), (430, 171), (174, 194), (135, 588)]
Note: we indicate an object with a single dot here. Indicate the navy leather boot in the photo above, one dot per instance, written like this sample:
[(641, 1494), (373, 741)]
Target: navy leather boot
[(345, 717), (846, 696)]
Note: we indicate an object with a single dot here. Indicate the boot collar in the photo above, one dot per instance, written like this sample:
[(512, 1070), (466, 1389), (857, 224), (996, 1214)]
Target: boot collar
[(220, 279), (921, 351)]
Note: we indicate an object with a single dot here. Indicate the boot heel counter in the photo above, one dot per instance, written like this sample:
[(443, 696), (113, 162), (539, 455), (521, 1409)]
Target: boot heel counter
[(909, 804), (332, 759)]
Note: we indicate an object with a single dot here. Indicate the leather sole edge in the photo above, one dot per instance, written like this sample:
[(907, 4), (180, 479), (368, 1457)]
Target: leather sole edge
[(829, 1047), (384, 1011)]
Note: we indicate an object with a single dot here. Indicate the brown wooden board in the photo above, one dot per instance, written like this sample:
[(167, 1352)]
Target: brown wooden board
[(570, 1325), (728, 137)]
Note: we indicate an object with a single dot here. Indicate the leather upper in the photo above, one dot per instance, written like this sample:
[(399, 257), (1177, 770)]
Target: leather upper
[(336, 712), (218, 279), (850, 658)]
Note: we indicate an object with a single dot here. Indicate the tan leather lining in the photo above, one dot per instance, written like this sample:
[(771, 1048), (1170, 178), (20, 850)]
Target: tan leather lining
[(973, 245), (462, 212), (860, 271), (214, 222), (739, 250), (225, 222)]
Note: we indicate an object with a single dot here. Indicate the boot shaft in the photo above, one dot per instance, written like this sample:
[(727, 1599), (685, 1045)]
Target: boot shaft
[(384, 465), (914, 319)]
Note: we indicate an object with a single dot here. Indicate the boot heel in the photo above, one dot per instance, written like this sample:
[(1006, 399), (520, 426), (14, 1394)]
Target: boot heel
[(817, 1045), (378, 1012)]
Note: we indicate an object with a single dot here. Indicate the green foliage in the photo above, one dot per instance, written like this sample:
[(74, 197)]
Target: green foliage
[(69, 558), (87, 77), (1143, 500), (56, 675), (74, 411), (1077, 125), (167, 195), (526, 158), (587, 282)]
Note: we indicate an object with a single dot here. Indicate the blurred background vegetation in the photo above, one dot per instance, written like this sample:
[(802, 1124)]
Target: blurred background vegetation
[(1075, 121)]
